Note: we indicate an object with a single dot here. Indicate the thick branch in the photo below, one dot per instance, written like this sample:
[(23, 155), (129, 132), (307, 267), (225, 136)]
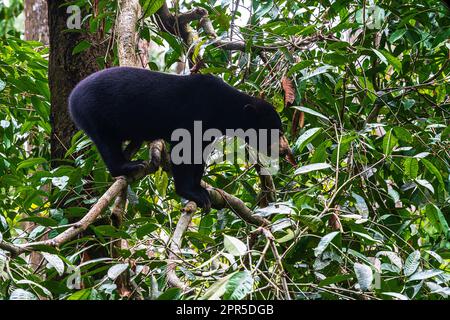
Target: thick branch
[(13, 249), (192, 15), (207, 26), (220, 199), (179, 24), (175, 245)]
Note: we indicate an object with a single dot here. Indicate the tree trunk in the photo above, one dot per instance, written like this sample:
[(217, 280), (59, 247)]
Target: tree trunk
[(36, 29), (65, 71), (127, 37), (36, 20)]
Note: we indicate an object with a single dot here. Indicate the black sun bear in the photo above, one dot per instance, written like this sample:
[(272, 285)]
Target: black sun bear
[(122, 104)]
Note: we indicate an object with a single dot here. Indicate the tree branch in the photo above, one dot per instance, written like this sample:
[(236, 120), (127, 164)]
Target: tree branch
[(220, 199), (175, 245)]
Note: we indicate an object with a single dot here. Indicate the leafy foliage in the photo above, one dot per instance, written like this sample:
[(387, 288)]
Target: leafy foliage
[(365, 215)]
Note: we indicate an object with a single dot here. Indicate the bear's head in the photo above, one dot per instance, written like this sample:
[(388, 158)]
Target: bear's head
[(262, 115)]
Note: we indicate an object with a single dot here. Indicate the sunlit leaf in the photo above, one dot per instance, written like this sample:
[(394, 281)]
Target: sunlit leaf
[(116, 270), (364, 275), (312, 167), (234, 246), (411, 263)]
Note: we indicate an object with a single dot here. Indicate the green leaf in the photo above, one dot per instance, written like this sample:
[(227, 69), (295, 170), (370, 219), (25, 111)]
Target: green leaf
[(320, 153), (389, 142), (393, 258), (437, 218), (395, 62), (316, 72), (173, 42), (299, 66), (146, 229), (199, 236), (336, 59), (170, 294), (239, 285), (344, 146), (335, 279), (366, 236), (30, 162), (403, 134), (446, 133), (411, 167), (312, 167), (80, 295), (44, 221), (288, 237), (425, 274), (234, 246), (217, 289), (381, 56), (411, 263), (81, 46), (20, 294), (263, 9), (396, 35), (162, 181), (361, 205), (2, 85), (110, 231), (306, 138), (310, 111), (388, 58), (408, 103), (324, 242), (55, 261), (431, 167), (149, 7), (311, 221), (426, 184)]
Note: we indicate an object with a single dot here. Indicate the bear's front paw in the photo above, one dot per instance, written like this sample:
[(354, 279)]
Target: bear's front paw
[(132, 167)]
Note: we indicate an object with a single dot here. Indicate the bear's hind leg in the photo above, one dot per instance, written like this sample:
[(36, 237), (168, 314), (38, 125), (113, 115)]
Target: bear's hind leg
[(132, 148), (114, 158)]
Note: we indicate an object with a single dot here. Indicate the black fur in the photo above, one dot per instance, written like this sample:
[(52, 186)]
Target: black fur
[(130, 104)]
